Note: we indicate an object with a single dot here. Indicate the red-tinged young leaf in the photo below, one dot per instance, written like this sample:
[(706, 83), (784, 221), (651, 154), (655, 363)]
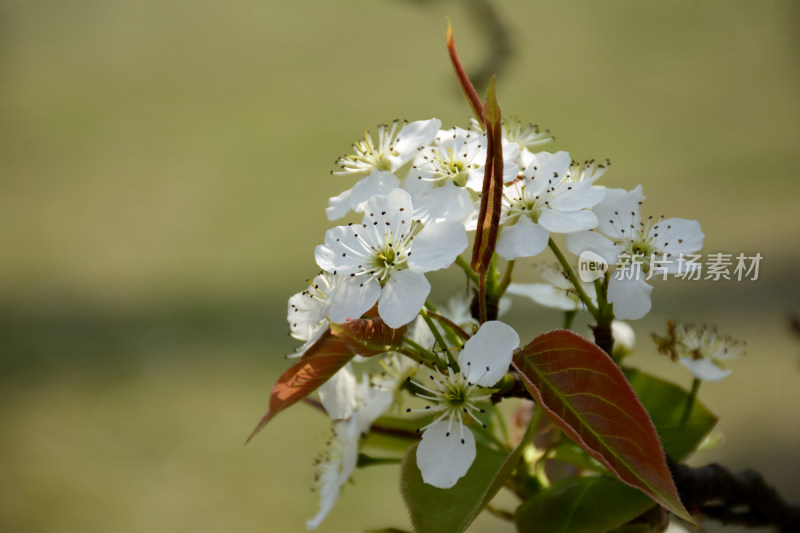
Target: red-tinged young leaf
[(365, 337), (321, 361), (587, 396), (469, 91), (369, 337), (492, 192)]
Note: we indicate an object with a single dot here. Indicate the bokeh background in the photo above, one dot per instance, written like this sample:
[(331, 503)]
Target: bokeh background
[(164, 168)]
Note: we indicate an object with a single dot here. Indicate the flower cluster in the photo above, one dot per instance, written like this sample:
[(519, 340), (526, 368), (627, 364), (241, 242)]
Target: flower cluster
[(413, 209)]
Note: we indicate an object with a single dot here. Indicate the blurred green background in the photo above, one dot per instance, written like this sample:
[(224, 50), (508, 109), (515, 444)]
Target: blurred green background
[(164, 168)]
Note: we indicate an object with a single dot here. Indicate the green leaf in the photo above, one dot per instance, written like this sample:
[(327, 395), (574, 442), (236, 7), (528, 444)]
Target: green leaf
[(582, 505), (366, 337), (665, 402), (450, 510), (588, 397)]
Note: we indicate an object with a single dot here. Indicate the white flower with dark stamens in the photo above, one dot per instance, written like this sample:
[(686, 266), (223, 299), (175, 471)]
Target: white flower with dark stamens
[(457, 157), (396, 370), (442, 175), (379, 160), (395, 146), (338, 460), (447, 449), (544, 201), (556, 292), (377, 182), (622, 237), (334, 465), (514, 131), (386, 257), (308, 311), (589, 170), (704, 352)]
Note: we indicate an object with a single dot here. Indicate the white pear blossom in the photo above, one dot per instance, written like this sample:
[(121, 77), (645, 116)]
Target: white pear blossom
[(338, 394), (514, 131), (386, 257), (338, 460), (544, 201), (589, 170), (556, 292), (335, 464), (308, 311), (447, 449), (642, 246), (704, 351), (443, 174), (379, 161)]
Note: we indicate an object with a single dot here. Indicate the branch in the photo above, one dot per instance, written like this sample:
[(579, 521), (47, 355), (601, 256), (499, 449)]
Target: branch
[(743, 498)]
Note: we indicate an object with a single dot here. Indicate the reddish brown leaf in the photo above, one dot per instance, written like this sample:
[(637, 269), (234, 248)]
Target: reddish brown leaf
[(588, 397), (469, 91), (369, 337), (366, 337), (492, 193)]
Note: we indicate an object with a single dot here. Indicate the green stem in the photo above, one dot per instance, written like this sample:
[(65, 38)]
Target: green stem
[(506, 280), (439, 339), (569, 316), (419, 354), (471, 274), (573, 278), (365, 460), (687, 411)]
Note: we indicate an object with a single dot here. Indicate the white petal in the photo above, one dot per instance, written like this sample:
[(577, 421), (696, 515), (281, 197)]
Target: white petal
[(510, 155), (402, 297), (411, 137), (631, 298), (338, 206), (619, 212), (678, 236), (387, 213), (571, 196), (487, 354), (378, 182), (567, 222), (445, 454), (592, 241), (546, 295), (544, 166), (445, 203), (352, 297), (437, 246), (338, 473), (338, 394), (344, 250), (372, 404), (704, 369), (524, 239)]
